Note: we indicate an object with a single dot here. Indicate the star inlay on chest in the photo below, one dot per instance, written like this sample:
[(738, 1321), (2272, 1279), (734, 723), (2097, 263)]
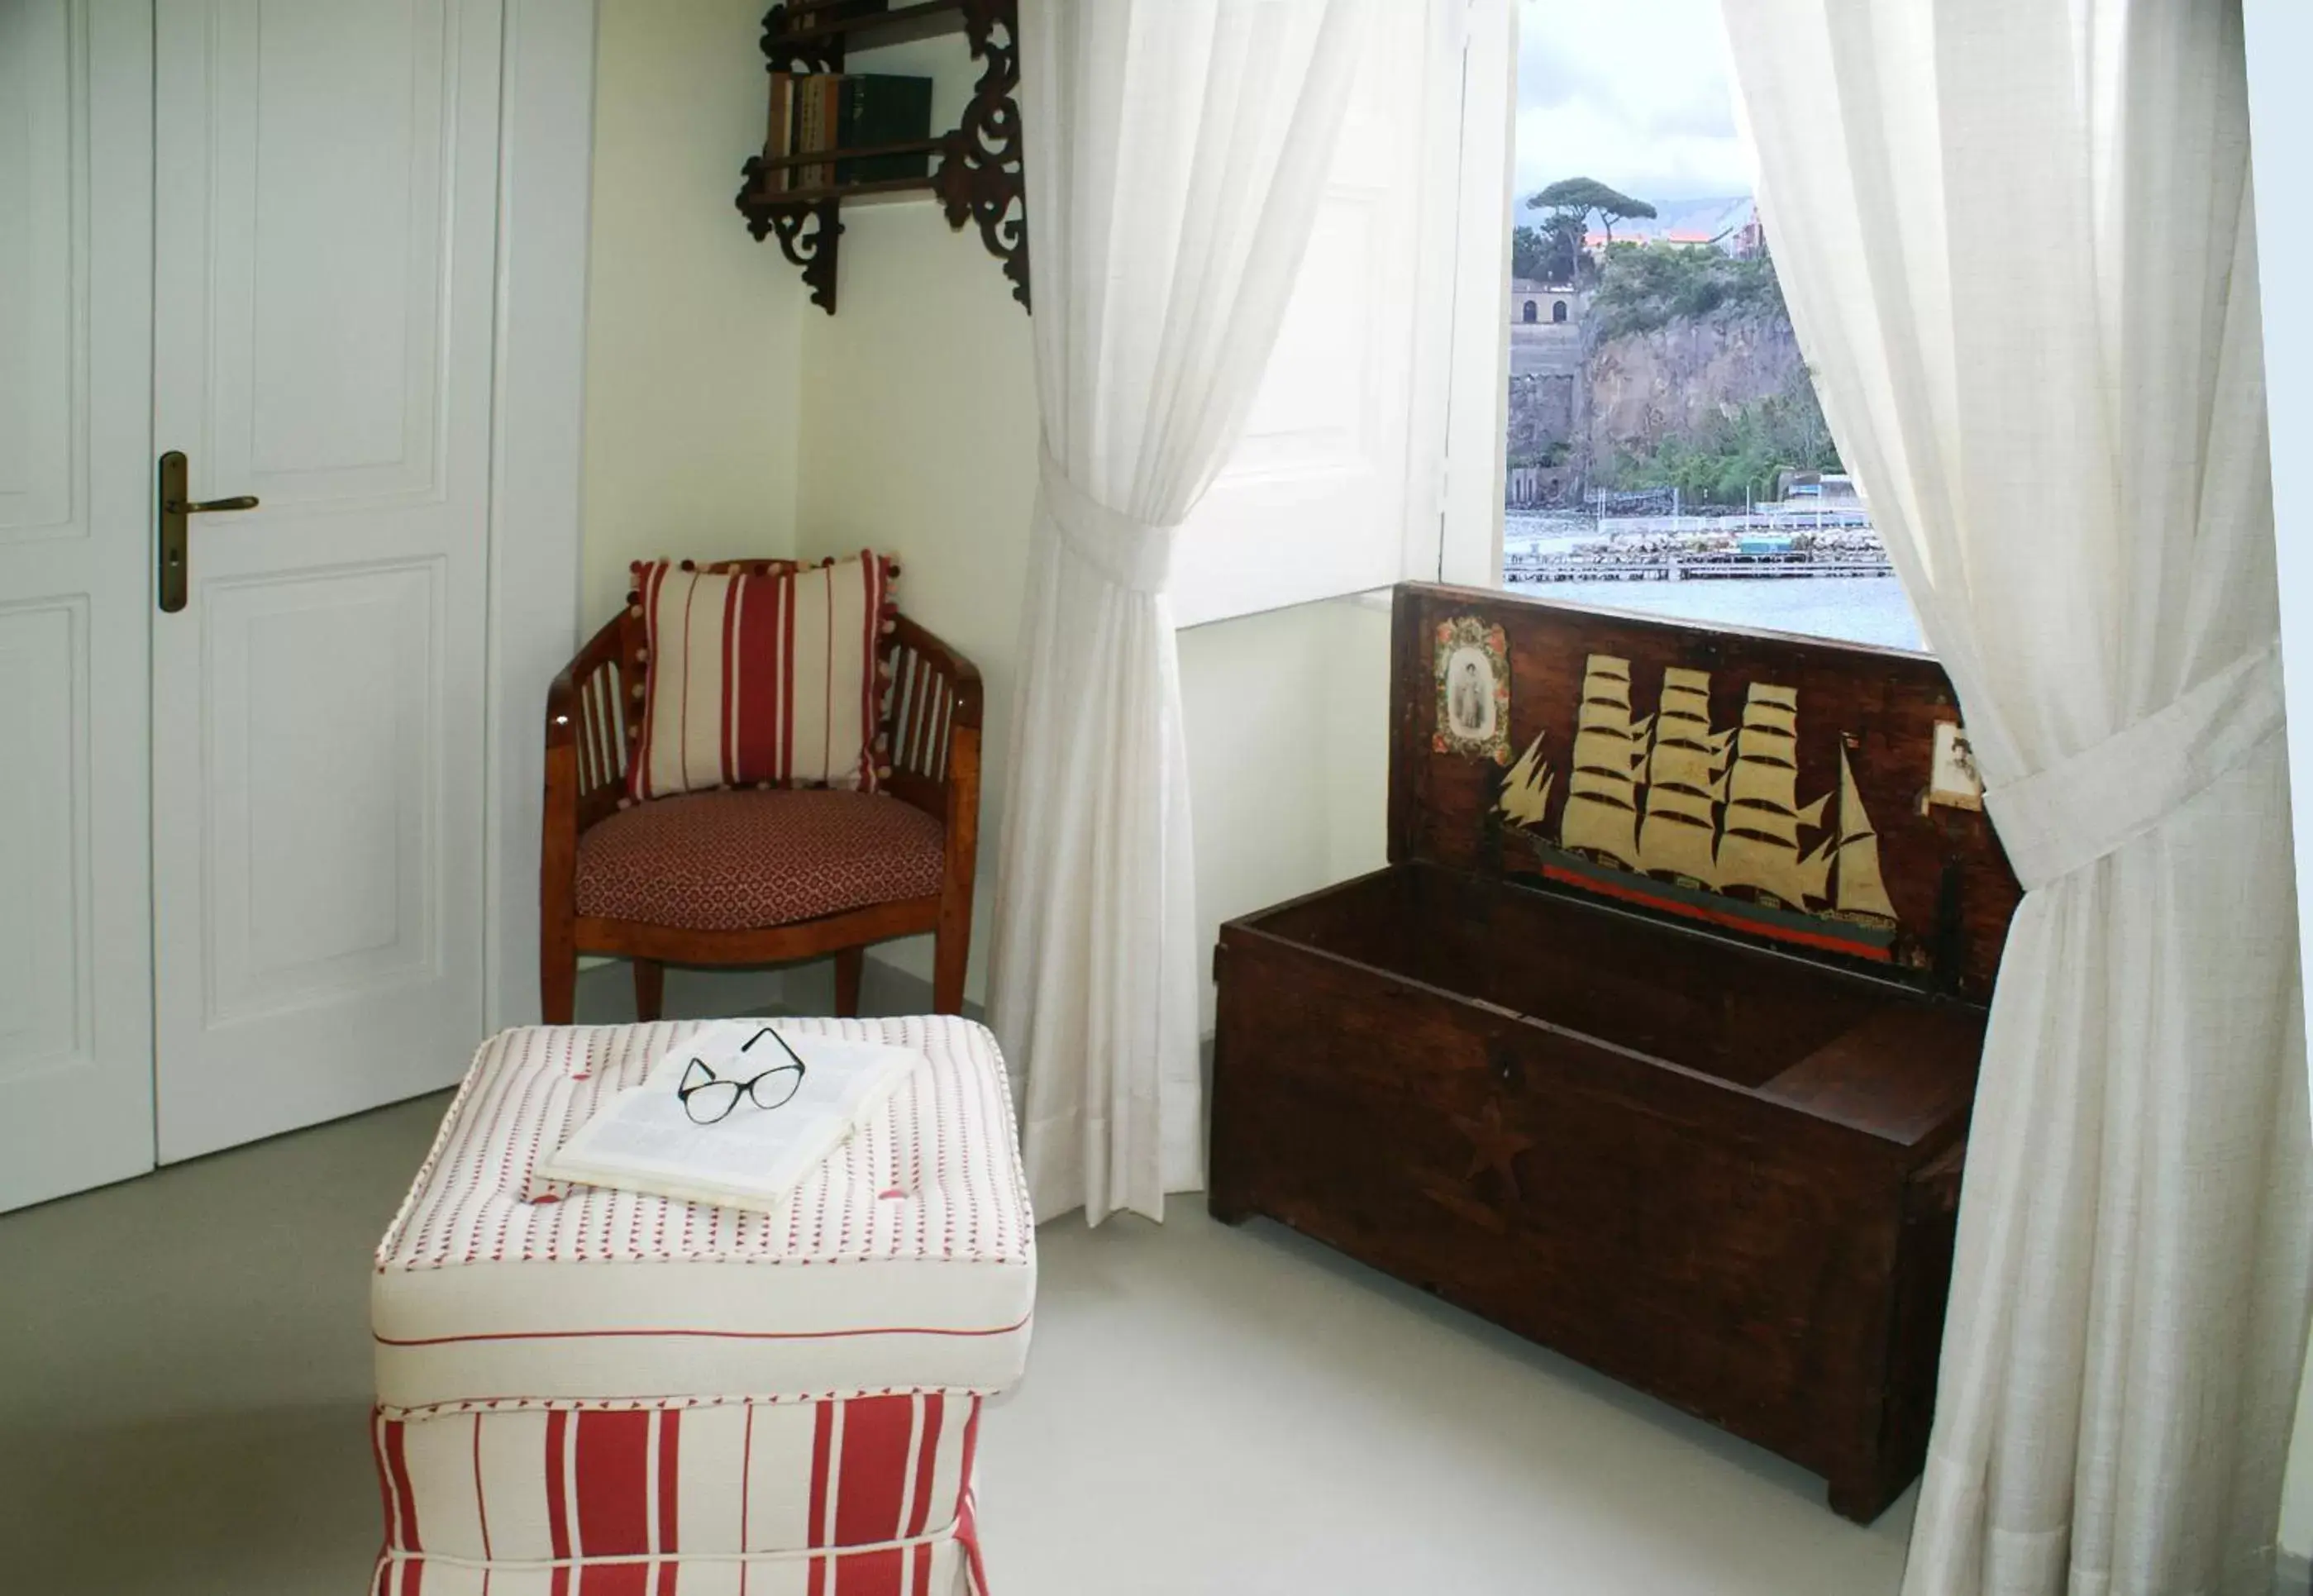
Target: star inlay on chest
[(1494, 1146)]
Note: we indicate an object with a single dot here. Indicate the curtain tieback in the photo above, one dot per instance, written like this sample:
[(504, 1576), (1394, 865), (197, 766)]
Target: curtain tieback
[(2079, 810), (1133, 554)]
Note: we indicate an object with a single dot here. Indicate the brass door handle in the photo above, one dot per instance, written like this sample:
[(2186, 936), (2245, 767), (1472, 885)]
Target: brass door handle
[(176, 552)]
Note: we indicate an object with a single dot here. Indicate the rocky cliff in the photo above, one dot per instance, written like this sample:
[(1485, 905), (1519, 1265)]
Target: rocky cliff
[(1642, 387)]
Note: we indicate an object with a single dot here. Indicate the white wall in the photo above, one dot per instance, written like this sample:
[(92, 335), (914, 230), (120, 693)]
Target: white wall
[(692, 327), (2281, 126), (918, 436), (1288, 717)]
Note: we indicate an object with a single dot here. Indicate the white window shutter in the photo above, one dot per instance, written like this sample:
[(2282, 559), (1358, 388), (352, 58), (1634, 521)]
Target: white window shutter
[(1339, 484)]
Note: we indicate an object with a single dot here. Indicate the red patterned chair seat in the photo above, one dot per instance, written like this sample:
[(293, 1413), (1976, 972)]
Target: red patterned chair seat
[(738, 861)]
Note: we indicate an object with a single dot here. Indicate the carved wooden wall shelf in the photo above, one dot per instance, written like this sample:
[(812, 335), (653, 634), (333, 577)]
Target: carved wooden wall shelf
[(977, 170)]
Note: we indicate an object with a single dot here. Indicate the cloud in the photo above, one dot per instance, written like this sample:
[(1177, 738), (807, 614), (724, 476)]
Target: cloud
[(1638, 94)]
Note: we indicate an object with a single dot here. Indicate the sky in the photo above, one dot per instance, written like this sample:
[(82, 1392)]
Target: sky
[(1636, 93)]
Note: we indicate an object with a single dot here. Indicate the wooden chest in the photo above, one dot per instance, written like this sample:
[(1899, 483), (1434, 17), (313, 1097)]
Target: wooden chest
[(1657, 1040)]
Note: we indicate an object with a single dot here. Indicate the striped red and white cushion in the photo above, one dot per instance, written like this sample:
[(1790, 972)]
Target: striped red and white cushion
[(761, 677)]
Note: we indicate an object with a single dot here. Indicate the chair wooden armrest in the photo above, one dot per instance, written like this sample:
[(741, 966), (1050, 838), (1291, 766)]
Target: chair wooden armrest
[(932, 745), (588, 711)]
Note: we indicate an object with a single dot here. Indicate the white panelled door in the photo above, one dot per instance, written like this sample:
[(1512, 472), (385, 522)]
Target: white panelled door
[(75, 385), (325, 225)]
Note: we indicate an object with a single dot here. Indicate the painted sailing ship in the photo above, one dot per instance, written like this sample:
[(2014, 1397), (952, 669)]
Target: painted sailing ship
[(1601, 817), (1526, 789), (1759, 847), (1858, 892), (1686, 784), (1667, 810)]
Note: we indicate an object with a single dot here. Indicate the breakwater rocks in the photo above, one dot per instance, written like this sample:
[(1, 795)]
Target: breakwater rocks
[(1702, 555)]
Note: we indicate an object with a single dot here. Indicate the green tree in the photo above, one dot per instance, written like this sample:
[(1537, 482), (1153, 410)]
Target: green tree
[(1640, 290), (1550, 253), (1562, 259), (1579, 197), (1526, 247)]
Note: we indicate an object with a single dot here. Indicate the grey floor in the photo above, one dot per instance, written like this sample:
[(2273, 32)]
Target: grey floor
[(184, 1379)]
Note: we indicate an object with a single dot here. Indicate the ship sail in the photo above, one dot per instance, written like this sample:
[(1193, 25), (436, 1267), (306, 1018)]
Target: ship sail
[(1609, 762), (1860, 890), (1686, 781), (1680, 837), (1760, 848), (1526, 790)]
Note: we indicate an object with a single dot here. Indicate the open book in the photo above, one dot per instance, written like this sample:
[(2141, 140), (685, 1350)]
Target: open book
[(809, 1092)]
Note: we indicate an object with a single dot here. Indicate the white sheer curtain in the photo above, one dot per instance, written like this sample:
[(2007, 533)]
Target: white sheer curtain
[(1174, 154), (2017, 244)]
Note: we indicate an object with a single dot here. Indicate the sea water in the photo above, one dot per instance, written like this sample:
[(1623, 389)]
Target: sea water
[(1870, 610)]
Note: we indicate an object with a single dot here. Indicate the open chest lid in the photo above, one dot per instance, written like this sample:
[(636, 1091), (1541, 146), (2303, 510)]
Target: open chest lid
[(1816, 796)]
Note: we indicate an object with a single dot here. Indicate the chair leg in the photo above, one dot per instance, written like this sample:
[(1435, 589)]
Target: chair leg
[(650, 988), (849, 964), (951, 951), (558, 974)]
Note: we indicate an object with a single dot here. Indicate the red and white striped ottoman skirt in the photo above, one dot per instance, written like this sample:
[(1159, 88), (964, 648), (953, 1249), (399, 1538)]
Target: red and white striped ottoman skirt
[(592, 1393), (853, 1497)]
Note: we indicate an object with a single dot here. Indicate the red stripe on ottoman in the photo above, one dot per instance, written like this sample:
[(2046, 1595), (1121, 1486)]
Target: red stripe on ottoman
[(877, 1433), (870, 1573), (377, 1422), (398, 1461), (927, 1457), (400, 1501), (612, 1488), (669, 1447)]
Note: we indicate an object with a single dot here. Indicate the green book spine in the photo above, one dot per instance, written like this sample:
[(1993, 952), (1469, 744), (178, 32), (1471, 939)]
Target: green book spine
[(879, 108)]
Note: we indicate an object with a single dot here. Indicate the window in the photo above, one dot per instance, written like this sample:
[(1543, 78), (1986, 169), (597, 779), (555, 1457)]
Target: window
[(1530, 312), (1664, 450)]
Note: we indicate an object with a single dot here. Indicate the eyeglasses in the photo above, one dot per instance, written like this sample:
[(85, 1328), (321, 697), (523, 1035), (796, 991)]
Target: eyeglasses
[(709, 1098)]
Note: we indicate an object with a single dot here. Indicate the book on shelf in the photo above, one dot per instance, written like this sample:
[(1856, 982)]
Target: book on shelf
[(882, 109), (834, 112), (820, 106), (774, 137)]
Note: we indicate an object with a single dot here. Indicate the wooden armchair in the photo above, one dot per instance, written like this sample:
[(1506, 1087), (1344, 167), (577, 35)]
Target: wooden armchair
[(756, 877)]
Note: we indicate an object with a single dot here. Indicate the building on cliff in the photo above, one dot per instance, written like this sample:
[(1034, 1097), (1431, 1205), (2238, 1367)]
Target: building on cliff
[(1535, 303)]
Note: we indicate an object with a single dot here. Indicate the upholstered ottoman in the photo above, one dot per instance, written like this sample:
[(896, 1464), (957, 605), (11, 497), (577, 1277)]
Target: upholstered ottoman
[(584, 1392)]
